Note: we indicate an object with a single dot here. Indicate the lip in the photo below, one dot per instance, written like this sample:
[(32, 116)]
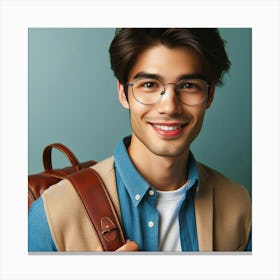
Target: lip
[(168, 130)]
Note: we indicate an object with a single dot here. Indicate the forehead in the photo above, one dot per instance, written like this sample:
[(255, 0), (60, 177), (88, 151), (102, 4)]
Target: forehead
[(169, 63)]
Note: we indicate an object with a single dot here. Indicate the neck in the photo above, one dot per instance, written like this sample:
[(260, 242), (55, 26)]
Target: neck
[(163, 173)]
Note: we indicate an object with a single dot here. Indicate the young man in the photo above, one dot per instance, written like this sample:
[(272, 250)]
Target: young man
[(166, 200)]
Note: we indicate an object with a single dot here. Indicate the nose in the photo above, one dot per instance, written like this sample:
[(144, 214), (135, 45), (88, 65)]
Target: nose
[(169, 103)]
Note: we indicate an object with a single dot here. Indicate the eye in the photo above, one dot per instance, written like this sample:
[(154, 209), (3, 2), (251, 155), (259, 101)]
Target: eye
[(147, 85), (191, 85), (150, 84)]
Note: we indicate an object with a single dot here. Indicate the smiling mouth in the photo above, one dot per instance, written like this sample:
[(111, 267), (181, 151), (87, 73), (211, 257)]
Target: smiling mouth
[(167, 127), (168, 130)]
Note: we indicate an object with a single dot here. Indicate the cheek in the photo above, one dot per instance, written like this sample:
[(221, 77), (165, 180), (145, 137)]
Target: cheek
[(197, 120), (197, 113), (136, 116), (137, 111), (200, 116)]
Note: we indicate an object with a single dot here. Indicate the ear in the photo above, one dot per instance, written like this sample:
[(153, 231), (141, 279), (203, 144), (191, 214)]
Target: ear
[(211, 95), (122, 96)]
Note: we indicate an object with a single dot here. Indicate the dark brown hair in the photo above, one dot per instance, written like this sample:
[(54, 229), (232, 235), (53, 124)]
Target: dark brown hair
[(206, 42)]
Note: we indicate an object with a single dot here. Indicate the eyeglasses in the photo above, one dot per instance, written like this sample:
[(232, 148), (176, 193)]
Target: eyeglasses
[(190, 92)]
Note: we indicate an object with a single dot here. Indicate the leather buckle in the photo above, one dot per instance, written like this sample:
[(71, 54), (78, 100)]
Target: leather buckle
[(108, 229)]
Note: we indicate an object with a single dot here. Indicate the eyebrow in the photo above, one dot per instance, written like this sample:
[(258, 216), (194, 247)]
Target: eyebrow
[(147, 75)]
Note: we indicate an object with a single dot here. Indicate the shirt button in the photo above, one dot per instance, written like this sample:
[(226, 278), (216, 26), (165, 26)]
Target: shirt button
[(137, 196), (151, 192), (150, 224)]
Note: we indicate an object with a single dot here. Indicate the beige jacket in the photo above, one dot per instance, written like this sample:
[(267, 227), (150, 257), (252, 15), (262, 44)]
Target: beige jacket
[(222, 211)]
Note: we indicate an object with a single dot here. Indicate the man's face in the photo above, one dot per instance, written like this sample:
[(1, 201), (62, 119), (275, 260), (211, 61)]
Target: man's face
[(167, 127)]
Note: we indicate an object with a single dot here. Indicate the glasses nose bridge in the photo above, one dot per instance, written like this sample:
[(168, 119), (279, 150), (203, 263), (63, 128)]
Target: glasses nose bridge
[(166, 84)]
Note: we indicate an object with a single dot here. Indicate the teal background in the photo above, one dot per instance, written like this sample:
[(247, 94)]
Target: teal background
[(72, 98)]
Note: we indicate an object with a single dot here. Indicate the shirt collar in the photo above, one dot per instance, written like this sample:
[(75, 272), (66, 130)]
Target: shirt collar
[(134, 183), (192, 173)]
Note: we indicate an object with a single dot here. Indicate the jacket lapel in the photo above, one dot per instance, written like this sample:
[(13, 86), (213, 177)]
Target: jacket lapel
[(204, 212)]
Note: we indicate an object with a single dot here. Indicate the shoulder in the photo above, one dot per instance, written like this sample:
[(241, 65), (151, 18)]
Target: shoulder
[(105, 166), (69, 223), (60, 190), (225, 190), (230, 207), (63, 193)]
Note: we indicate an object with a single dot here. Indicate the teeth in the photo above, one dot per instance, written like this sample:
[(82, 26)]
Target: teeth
[(168, 128)]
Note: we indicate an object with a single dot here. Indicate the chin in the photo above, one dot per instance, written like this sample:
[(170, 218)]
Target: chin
[(169, 151)]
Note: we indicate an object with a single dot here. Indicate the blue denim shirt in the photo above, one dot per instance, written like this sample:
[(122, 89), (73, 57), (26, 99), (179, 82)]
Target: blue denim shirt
[(138, 208), (138, 204)]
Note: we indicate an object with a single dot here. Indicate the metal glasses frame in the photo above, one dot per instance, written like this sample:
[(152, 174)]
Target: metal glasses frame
[(176, 92)]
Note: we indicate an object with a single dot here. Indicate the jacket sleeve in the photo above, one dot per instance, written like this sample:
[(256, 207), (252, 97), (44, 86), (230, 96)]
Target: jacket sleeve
[(39, 235)]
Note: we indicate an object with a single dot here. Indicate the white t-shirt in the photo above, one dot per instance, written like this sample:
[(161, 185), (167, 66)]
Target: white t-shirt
[(168, 206)]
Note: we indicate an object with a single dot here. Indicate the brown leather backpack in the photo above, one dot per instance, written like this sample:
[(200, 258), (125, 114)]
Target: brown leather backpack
[(89, 187)]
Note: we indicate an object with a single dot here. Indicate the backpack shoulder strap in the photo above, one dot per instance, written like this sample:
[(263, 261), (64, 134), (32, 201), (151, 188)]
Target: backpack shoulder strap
[(99, 207)]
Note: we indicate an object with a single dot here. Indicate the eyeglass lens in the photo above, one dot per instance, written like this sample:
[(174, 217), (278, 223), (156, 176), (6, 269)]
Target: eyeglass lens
[(189, 92)]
